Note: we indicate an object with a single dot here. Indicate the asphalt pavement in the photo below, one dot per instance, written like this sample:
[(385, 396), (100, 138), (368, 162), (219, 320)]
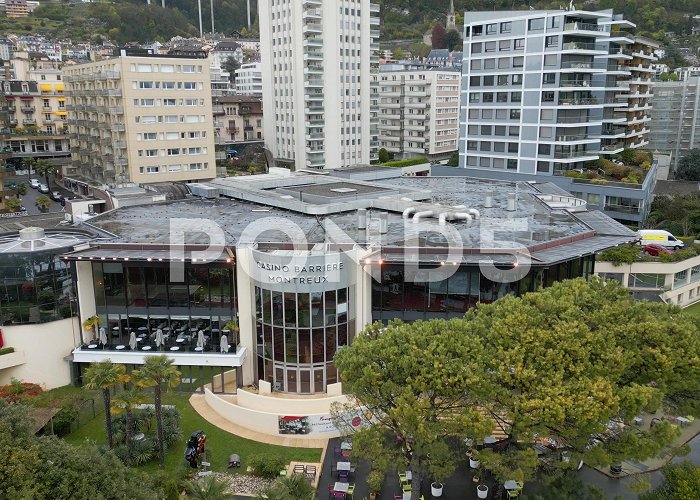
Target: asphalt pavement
[(29, 199)]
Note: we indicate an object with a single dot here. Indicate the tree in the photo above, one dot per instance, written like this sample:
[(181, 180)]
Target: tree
[(104, 375), (454, 160), (231, 65), (13, 204), (679, 214), (43, 202), (688, 167), (20, 457), (209, 488), (125, 402), (398, 53), (156, 371), (453, 40), (681, 482), (439, 37), (28, 164), (46, 168), (416, 405), (383, 155), (294, 487), (21, 189), (566, 361)]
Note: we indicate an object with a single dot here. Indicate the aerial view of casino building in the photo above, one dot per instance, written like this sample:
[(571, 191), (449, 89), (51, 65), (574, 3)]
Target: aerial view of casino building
[(255, 282)]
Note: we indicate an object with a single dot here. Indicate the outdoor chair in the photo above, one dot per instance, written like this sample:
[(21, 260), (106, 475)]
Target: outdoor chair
[(402, 477), (300, 469), (513, 493), (283, 472), (310, 472), (338, 495), (351, 490), (406, 488)]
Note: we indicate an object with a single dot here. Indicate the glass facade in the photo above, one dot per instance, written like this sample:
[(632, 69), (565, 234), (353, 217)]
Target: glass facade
[(403, 293), (142, 299), (35, 287), (299, 333)]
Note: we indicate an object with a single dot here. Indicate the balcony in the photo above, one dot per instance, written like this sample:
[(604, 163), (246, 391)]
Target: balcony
[(374, 8), (11, 109), (121, 162), (310, 4), (119, 144), (118, 127), (312, 29), (313, 82), (585, 27), (29, 121), (116, 110), (614, 148), (313, 55), (578, 101), (27, 109), (313, 69), (583, 46), (313, 41), (578, 155), (312, 14), (575, 83)]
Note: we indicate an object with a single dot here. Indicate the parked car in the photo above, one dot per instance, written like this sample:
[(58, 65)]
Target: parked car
[(56, 196), (34, 183), (43, 188), (655, 249)]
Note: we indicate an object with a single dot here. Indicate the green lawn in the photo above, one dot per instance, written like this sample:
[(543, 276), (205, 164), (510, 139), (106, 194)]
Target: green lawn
[(693, 310), (220, 443)]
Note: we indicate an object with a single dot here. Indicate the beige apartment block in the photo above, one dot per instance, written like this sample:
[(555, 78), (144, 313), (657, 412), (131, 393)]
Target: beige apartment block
[(140, 118), (419, 112)]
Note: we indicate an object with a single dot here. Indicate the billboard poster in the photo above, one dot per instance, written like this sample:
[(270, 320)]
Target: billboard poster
[(319, 424)]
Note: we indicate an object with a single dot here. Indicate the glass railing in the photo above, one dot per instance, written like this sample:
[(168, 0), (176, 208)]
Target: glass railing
[(583, 27)]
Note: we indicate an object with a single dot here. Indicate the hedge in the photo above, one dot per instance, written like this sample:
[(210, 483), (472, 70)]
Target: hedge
[(405, 163), (6, 350)]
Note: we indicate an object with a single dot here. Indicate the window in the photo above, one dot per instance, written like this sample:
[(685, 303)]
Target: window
[(194, 151), (168, 85), (173, 151), (145, 85), (488, 96), (504, 45), (476, 64), (489, 64), (516, 96), (550, 60), (593, 199), (549, 78), (151, 152), (170, 119), (188, 68), (502, 80), (500, 130), (189, 85), (513, 131), (546, 114), (474, 97), (515, 114), (512, 164), (486, 130), (488, 80), (517, 79), (478, 30), (543, 166), (551, 41), (536, 24), (191, 102), (504, 63), (644, 280), (519, 44), (472, 145), (490, 47), (518, 62), (491, 29), (477, 48), (512, 147), (502, 97), (169, 102), (172, 136), (544, 149), (506, 27), (474, 81), (148, 120), (485, 146), (149, 136)]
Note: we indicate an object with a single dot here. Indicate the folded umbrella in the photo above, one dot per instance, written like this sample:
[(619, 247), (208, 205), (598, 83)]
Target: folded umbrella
[(132, 341), (224, 344), (200, 339), (103, 336), (159, 337)]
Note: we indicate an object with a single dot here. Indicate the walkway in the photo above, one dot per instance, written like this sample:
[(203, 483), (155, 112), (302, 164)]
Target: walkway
[(200, 405)]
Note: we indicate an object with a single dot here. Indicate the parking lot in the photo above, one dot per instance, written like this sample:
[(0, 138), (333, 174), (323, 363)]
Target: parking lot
[(29, 199)]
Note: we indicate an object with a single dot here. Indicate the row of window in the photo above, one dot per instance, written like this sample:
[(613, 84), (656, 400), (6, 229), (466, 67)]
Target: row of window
[(174, 168), (495, 163), (166, 68), (145, 85), (170, 136), (148, 103), (496, 147), (500, 63), (536, 24), (172, 152), (151, 119), (495, 80), (501, 46)]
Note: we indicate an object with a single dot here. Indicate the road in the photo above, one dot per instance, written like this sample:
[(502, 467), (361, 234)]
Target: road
[(29, 199)]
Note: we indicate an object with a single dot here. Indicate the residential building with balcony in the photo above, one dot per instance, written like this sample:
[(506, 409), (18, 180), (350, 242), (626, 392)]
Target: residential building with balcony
[(249, 79), (317, 58), (16, 8), (545, 92), (419, 112), (674, 117), (141, 118), (36, 118), (238, 119)]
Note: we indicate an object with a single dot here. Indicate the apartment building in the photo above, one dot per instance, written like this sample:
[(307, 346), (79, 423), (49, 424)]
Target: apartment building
[(36, 119), (238, 119), (249, 79), (141, 118), (317, 57), (16, 8), (544, 92), (674, 117), (419, 112)]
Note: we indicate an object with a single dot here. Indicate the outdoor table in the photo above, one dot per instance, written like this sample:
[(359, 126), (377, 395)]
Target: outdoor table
[(174, 348), (489, 440), (139, 339), (121, 347), (407, 496), (146, 348), (92, 346), (343, 466), (199, 349), (511, 485), (409, 476), (342, 487), (115, 328), (180, 341), (216, 330), (140, 436), (346, 445)]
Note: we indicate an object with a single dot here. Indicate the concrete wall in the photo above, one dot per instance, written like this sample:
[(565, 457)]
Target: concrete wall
[(288, 405), (44, 347)]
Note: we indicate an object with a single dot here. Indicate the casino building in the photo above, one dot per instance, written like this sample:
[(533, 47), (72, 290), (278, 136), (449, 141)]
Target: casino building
[(288, 269)]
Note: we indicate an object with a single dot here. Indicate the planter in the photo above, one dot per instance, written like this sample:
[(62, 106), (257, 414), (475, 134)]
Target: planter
[(474, 463), (482, 491), (476, 479), (436, 489)]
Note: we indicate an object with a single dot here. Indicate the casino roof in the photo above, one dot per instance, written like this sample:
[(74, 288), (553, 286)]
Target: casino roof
[(512, 216)]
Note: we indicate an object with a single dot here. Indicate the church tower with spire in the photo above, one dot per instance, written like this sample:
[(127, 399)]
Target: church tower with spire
[(451, 21)]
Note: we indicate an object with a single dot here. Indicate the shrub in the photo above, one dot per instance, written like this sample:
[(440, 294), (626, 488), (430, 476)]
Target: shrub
[(575, 175), (454, 160), (6, 350), (405, 163), (624, 254), (266, 465), (383, 155), (17, 390), (64, 419)]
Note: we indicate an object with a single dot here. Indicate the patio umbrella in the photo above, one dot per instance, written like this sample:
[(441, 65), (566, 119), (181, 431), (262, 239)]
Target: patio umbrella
[(224, 344), (159, 337), (200, 339), (103, 336), (132, 341)]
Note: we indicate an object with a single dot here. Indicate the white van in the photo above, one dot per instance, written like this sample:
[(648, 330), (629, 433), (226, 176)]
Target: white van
[(659, 237)]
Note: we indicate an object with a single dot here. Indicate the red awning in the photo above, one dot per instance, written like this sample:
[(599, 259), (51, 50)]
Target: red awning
[(26, 98), (9, 97), (290, 419)]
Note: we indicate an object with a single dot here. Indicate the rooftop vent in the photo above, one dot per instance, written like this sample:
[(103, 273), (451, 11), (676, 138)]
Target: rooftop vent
[(344, 190)]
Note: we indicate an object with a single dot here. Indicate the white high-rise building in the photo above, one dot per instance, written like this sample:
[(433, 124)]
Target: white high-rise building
[(317, 60)]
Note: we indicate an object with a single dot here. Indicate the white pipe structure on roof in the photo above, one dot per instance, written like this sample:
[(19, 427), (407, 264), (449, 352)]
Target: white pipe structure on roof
[(474, 212), (445, 216), (407, 213), (425, 213)]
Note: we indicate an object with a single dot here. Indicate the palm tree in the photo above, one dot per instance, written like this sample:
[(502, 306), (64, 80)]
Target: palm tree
[(104, 375), (45, 167), (125, 402), (294, 487), (208, 488), (29, 164), (156, 371), (43, 202)]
